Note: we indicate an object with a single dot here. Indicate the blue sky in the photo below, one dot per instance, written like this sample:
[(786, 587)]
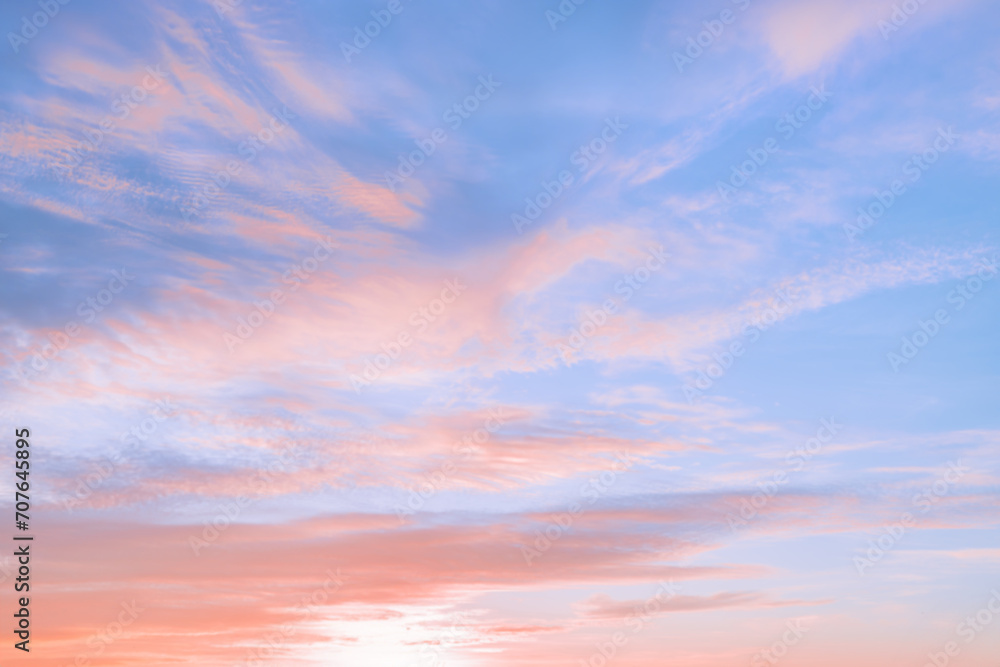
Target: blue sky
[(244, 180)]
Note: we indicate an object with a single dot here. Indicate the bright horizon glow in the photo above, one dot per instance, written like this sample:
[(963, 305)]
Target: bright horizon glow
[(647, 333)]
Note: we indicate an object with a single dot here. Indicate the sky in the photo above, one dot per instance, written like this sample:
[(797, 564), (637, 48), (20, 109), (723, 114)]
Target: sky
[(582, 333)]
